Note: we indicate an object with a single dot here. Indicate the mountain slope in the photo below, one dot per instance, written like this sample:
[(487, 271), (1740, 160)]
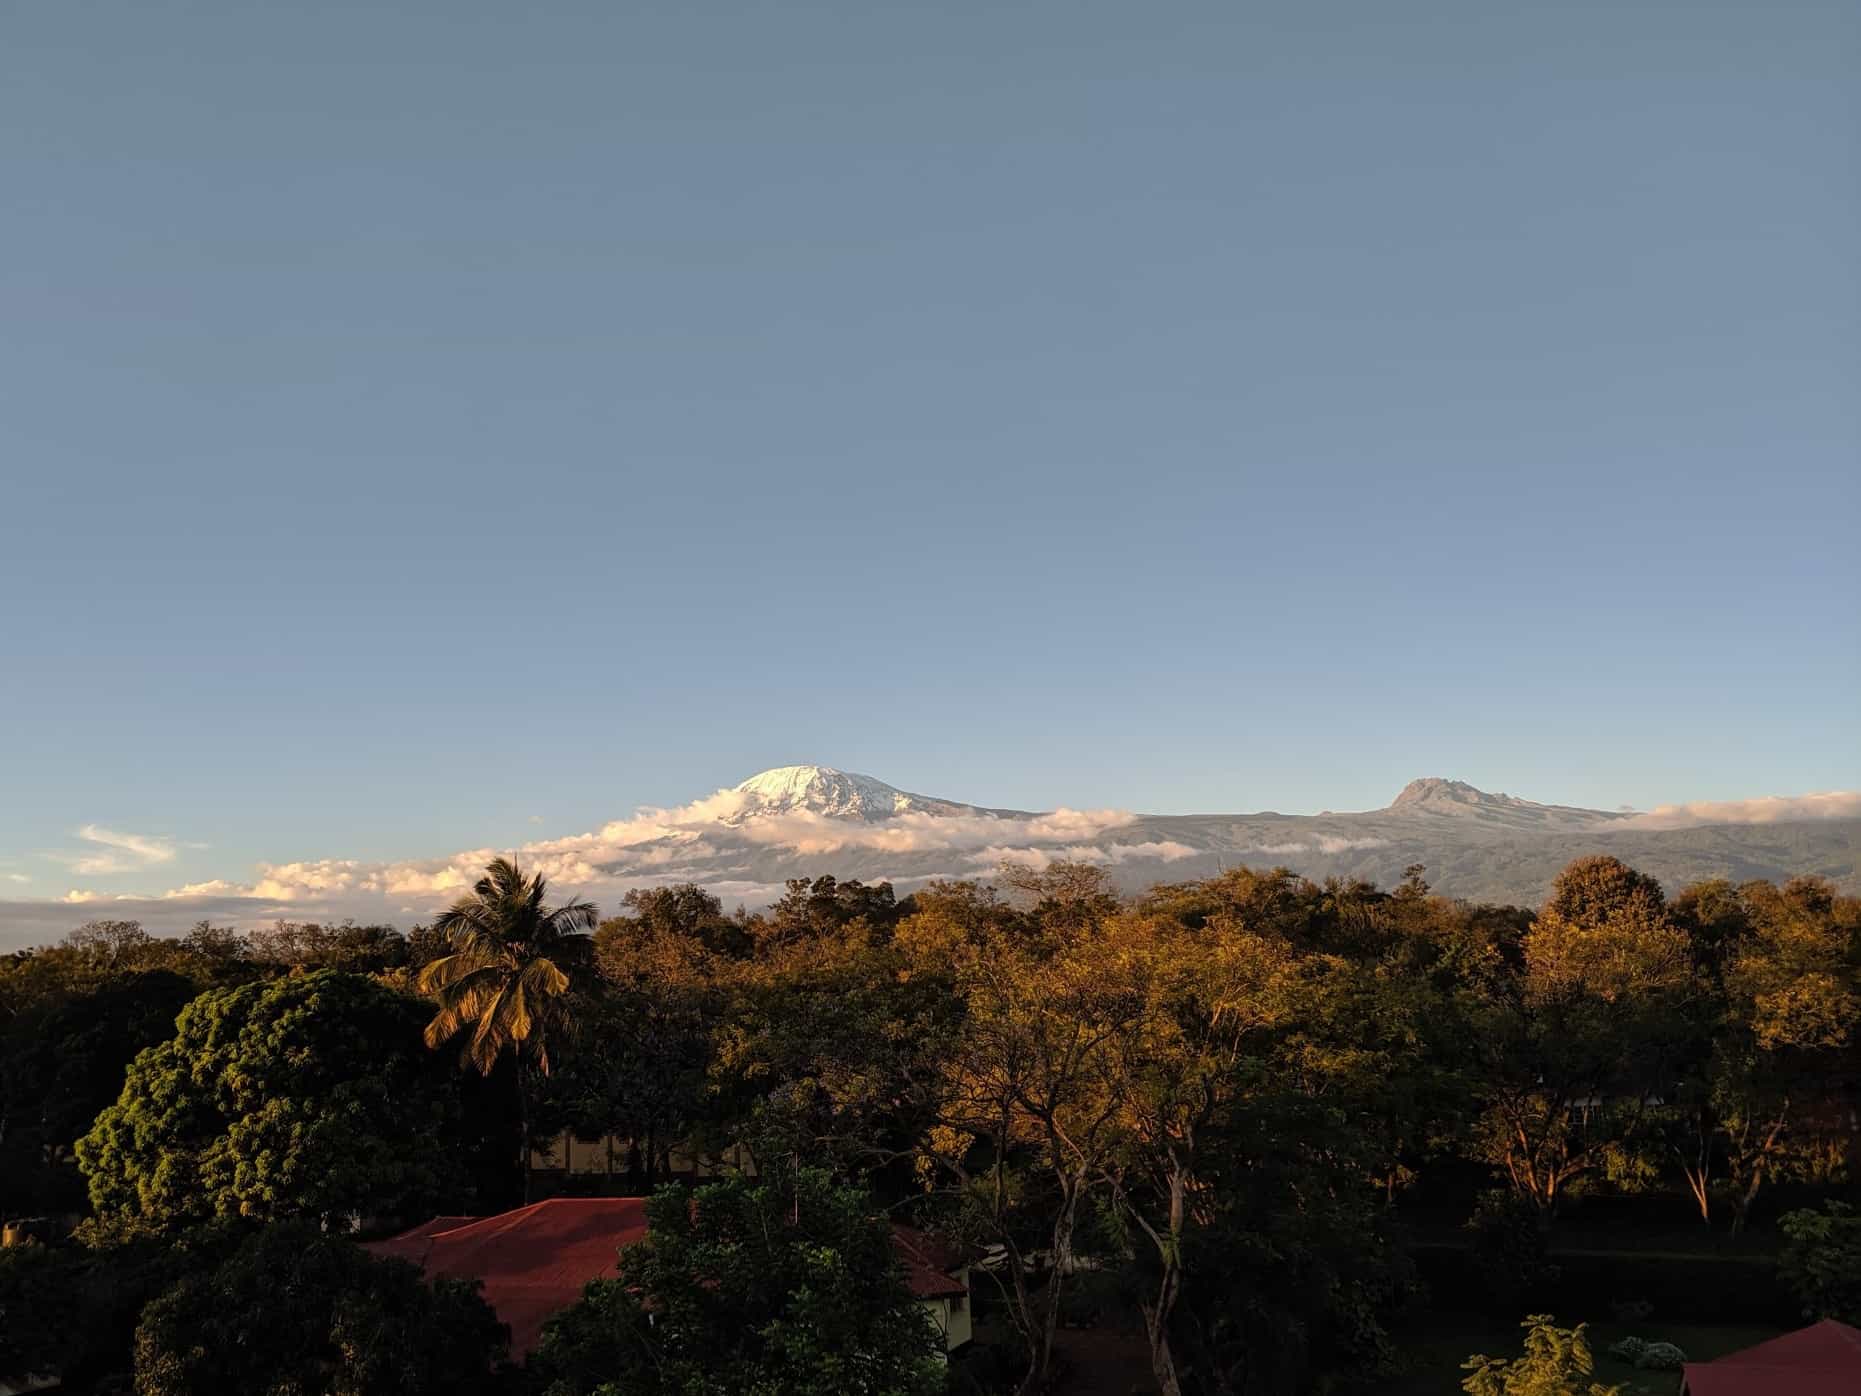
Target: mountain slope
[(744, 842), (802, 821), (834, 794)]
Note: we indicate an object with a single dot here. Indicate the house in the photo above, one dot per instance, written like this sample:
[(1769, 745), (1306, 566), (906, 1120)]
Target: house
[(533, 1261), (1823, 1359), (536, 1260), (939, 1278)]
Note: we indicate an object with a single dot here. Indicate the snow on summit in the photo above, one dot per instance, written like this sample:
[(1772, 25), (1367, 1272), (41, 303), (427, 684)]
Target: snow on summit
[(745, 842), (824, 790)]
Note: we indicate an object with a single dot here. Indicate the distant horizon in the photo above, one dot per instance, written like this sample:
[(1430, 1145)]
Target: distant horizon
[(122, 864)]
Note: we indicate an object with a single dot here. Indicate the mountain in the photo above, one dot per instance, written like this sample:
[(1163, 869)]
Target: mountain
[(833, 794), (745, 841), (803, 821), (1434, 797)]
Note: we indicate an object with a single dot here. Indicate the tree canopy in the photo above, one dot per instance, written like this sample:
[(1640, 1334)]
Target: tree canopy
[(309, 1096), (787, 1288)]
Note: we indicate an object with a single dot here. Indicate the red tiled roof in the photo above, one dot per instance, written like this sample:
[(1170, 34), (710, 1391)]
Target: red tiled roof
[(536, 1260), (928, 1263), (533, 1261), (1823, 1359)]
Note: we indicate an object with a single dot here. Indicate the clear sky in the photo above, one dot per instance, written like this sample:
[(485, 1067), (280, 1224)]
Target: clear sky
[(427, 425)]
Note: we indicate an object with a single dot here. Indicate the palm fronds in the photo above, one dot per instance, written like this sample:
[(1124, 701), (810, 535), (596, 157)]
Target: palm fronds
[(503, 979)]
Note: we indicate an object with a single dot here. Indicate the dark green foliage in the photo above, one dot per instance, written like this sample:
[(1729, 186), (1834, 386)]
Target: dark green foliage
[(1509, 1253), (41, 1322), (306, 1096), (73, 1309), (296, 1312), (1292, 1285), (748, 1288), (311, 945), (61, 1063), (1822, 1263)]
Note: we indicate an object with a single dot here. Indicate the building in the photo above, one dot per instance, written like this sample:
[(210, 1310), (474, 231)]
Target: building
[(533, 1261), (1823, 1359), (536, 1260), (939, 1278)]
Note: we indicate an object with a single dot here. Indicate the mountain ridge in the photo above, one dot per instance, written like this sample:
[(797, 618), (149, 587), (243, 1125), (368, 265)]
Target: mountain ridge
[(746, 842)]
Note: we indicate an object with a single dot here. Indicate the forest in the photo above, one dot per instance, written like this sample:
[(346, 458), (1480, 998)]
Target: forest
[(1276, 1136)]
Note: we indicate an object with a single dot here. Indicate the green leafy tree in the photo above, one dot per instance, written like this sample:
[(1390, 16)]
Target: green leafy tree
[(296, 1312), (749, 1289), (1793, 993), (310, 1096), (71, 1310), (1026, 1093), (62, 1061), (1197, 1005), (503, 987), (41, 1316), (1576, 1047), (1556, 1362), (1290, 1280), (1509, 1252), (1822, 1261)]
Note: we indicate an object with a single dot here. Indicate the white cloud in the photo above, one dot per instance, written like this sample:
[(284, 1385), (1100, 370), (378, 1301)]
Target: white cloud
[(1319, 843), (285, 882), (1164, 850), (119, 853), (998, 855), (217, 887), (656, 847), (1766, 809), (17, 877)]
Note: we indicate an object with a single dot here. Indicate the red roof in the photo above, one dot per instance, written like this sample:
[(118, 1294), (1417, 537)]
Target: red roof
[(533, 1261), (928, 1264), (1823, 1359), (536, 1260)]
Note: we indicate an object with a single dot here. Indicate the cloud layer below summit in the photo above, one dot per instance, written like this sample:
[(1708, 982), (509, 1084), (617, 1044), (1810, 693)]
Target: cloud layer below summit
[(742, 847)]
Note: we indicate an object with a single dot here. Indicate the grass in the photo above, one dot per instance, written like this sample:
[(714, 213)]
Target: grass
[(1435, 1349)]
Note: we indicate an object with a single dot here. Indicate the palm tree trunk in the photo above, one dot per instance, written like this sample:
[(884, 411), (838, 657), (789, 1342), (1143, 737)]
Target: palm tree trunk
[(523, 1130)]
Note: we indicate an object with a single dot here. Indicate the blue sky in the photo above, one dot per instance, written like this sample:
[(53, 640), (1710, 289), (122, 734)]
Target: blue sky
[(424, 425)]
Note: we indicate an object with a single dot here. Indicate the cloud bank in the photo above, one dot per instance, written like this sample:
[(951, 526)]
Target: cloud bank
[(1768, 809), (726, 841), (655, 846)]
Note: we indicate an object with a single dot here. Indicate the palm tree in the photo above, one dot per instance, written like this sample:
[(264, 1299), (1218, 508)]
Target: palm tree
[(504, 978)]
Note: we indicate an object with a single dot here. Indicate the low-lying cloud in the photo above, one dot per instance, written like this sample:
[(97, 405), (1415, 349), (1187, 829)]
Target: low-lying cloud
[(1320, 843), (1768, 809), (1001, 855), (653, 847)]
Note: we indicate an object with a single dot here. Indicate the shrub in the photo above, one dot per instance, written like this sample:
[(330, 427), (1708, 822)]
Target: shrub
[(1508, 1257), (1652, 1357), (294, 1310), (1660, 1357), (1556, 1362), (1822, 1262)]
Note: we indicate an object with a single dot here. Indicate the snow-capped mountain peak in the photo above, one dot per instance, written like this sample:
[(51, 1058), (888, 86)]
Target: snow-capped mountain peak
[(836, 794)]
